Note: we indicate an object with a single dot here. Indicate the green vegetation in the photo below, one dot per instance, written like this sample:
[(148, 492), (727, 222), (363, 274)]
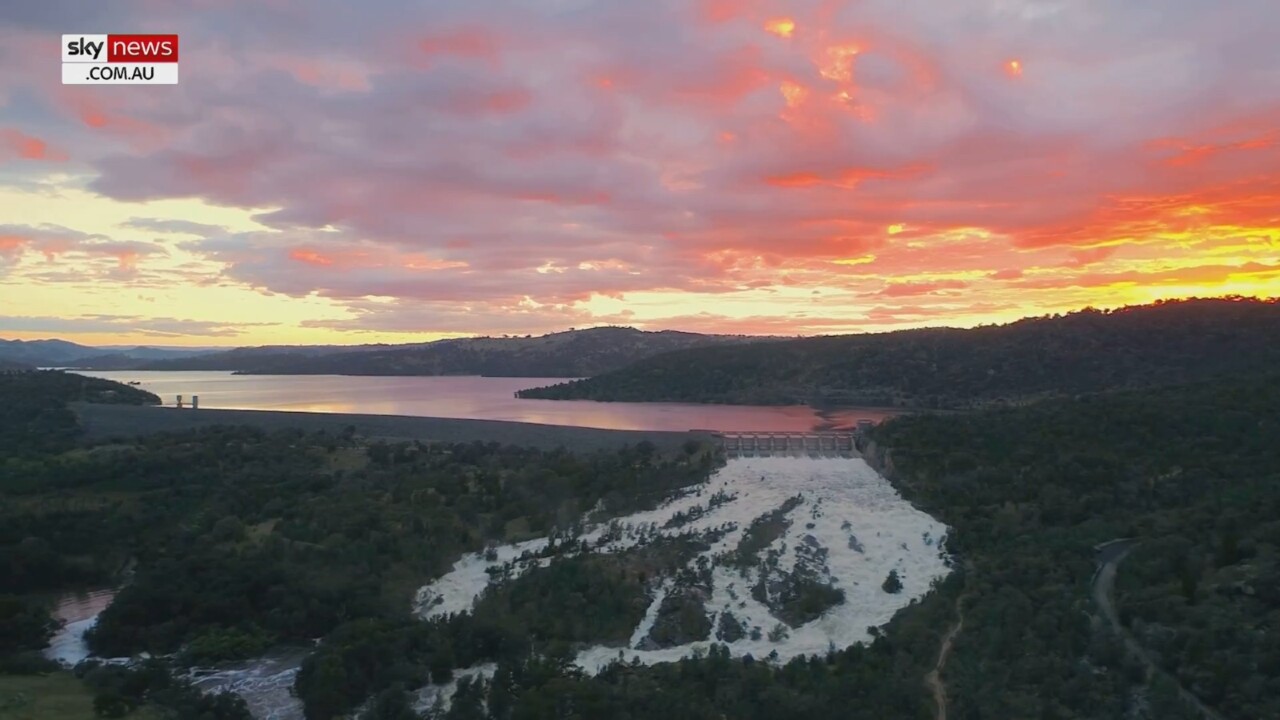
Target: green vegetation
[(763, 531), (56, 696), (243, 539), (34, 417), (240, 539), (576, 353), (588, 598), (892, 583), (1089, 351), (1194, 472), (798, 597)]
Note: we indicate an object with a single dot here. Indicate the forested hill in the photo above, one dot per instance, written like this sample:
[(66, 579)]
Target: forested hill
[(1191, 473), (1086, 351), (34, 417), (576, 353)]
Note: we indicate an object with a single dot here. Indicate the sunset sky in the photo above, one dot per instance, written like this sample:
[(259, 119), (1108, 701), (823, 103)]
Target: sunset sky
[(345, 172)]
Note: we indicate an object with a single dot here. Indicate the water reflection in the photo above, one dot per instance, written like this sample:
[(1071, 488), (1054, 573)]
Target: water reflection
[(77, 612), (474, 398)]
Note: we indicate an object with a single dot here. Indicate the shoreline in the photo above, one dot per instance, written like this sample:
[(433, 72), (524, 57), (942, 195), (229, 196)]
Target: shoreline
[(102, 422)]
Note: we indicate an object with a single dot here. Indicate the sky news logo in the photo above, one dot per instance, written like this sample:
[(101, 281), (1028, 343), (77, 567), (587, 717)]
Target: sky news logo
[(119, 59)]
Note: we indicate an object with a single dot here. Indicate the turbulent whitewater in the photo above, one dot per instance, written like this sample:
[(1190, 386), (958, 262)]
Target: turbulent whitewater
[(832, 526)]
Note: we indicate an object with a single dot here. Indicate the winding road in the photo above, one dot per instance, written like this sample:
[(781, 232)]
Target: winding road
[(1110, 555), (934, 678)]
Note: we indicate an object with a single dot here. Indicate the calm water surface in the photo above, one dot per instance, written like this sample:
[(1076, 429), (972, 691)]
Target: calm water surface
[(76, 613), (481, 398)]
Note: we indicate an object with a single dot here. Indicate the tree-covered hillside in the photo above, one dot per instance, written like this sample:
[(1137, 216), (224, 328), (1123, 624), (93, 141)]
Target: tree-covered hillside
[(34, 417), (576, 353), (239, 539), (1087, 351), (1191, 473)]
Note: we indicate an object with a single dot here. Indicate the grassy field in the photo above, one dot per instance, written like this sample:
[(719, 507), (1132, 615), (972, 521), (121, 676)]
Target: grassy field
[(59, 696)]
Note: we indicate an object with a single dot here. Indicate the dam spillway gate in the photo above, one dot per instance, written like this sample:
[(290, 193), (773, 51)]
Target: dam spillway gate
[(748, 443)]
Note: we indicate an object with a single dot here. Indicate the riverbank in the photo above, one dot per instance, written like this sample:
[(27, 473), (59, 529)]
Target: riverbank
[(102, 422)]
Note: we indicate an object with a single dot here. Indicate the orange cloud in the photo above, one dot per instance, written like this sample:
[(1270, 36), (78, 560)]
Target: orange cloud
[(1188, 153), (838, 62), (794, 94), (10, 245), (1007, 274), (911, 289), (28, 147), (845, 178), (716, 12), (310, 257)]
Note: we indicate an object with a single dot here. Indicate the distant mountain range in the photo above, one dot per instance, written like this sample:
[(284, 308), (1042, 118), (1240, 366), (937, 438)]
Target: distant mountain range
[(1088, 351), (576, 353), (61, 353), (14, 365)]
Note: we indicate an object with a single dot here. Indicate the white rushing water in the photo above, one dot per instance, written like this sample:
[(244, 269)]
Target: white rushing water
[(434, 697), (849, 528), (265, 683), (77, 613), (846, 526)]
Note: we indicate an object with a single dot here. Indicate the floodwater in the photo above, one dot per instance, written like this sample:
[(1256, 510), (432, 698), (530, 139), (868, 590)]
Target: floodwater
[(264, 682), (846, 527), (77, 612), (847, 489), (479, 398)]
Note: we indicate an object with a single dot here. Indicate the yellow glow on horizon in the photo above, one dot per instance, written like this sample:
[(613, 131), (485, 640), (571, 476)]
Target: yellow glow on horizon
[(184, 297), (861, 260)]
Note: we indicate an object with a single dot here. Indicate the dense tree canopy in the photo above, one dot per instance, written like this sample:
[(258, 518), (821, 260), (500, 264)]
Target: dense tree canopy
[(237, 540), (1087, 351)]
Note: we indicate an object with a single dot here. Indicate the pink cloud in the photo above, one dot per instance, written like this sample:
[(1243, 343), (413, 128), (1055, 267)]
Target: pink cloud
[(18, 144), (549, 153)]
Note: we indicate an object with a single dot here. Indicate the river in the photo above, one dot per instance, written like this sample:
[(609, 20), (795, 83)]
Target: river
[(476, 398), (77, 612), (265, 682)]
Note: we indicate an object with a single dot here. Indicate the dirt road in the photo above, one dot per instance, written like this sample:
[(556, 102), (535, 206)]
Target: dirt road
[(1110, 555), (934, 678)]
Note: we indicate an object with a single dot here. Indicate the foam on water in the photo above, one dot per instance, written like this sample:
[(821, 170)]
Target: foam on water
[(433, 696), (265, 683), (846, 508)]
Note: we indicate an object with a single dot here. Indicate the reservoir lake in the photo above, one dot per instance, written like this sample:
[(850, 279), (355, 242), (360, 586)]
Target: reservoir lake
[(475, 398), (841, 497)]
